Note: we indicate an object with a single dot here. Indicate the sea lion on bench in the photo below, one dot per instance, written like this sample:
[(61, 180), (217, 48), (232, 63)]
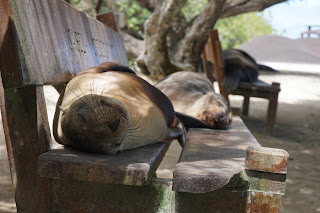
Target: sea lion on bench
[(108, 109), (194, 100), (240, 67)]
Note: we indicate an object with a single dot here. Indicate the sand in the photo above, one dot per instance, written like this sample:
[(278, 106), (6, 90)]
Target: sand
[(297, 130)]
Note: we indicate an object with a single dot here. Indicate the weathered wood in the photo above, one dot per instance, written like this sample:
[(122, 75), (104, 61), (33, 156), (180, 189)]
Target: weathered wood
[(216, 58), (129, 167), (267, 160), (211, 158), (54, 40), (245, 105), (108, 19), (260, 86), (76, 196), (27, 136), (272, 109)]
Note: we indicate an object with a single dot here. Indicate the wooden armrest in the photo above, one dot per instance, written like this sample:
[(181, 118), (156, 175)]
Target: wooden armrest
[(129, 167), (211, 158), (260, 85)]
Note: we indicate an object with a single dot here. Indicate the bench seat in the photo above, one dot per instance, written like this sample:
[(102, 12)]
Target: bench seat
[(211, 158), (129, 167)]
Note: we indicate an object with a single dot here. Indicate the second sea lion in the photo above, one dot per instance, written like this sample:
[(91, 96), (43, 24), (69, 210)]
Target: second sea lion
[(193, 97), (240, 67)]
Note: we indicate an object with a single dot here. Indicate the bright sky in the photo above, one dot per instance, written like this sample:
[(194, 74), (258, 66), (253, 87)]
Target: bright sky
[(293, 16)]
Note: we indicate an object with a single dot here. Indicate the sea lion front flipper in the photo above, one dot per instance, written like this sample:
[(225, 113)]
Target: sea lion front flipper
[(57, 115), (191, 122), (177, 131), (232, 77)]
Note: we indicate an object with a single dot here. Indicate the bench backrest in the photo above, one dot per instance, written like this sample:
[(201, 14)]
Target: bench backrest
[(213, 54), (43, 42), (49, 39)]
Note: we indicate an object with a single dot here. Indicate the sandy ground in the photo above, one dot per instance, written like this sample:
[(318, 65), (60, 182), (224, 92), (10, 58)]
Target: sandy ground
[(296, 130)]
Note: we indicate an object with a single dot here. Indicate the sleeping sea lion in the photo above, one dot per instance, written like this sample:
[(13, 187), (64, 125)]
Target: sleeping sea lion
[(194, 100), (240, 67), (108, 109)]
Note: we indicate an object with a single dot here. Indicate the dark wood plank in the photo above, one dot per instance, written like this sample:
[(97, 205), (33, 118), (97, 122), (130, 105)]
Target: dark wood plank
[(259, 86), (129, 167), (211, 158), (216, 58), (27, 135), (108, 19), (54, 40)]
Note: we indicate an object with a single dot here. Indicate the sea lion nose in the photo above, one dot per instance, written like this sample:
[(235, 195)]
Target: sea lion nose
[(222, 117), (114, 126)]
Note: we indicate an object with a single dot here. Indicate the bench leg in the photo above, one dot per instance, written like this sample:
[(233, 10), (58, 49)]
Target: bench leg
[(245, 106), (272, 113)]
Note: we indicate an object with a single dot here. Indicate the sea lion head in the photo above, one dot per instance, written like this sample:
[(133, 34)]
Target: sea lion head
[(95, 123), (216, 112)]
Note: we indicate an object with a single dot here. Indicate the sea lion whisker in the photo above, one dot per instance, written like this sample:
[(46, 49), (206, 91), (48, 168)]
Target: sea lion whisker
[(147, 148), (82, 100), (88, 101), (94, 99)]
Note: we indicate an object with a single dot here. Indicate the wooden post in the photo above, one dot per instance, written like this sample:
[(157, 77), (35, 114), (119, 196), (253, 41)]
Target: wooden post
[(245, 106), (266, 169), (272, 110), (27, 133), (218, 62)]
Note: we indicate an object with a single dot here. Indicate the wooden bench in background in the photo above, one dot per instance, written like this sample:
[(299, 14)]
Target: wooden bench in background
[(259, 89), (41, 42)]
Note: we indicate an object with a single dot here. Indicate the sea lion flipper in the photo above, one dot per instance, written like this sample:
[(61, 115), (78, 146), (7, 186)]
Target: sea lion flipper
[(232, 77), (191, 122), (57, 115), (266, 68)]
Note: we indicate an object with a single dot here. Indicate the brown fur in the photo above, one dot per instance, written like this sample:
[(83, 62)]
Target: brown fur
[(193, 94), (106, 111)]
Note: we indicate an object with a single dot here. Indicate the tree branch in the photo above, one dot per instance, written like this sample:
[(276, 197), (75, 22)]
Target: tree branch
[(196, 35), (98, 6), (155, 57), (235, 7), (149, 4)]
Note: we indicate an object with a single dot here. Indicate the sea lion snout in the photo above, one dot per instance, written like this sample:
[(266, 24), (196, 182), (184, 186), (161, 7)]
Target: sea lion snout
[(217, 120), (95, 123)]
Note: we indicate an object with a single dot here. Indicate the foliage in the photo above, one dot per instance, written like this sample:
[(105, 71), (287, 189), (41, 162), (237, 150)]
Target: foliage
[(234, 31), (135, 14), (193, 8)]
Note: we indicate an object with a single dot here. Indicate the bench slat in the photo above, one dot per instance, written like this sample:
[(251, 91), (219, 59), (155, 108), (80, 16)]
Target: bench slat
[(211, 158), (129, 167), (55, 39)]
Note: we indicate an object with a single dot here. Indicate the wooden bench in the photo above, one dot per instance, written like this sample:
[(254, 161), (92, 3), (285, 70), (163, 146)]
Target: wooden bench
[(259, 89), (41, 42)]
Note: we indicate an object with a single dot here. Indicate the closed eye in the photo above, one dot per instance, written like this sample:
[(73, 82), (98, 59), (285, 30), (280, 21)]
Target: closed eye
[(114, 126), (81, 117)]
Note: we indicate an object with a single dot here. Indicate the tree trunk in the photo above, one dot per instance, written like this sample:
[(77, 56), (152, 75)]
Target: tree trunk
[(172, 45), (155, 61), (196, 35)]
